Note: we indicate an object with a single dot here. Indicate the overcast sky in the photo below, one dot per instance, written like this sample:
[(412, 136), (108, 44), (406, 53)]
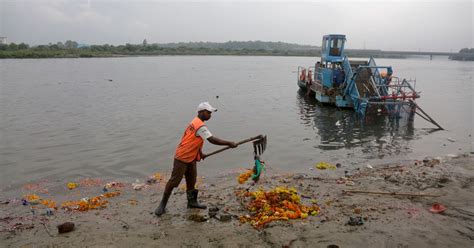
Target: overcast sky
[(389, 25)]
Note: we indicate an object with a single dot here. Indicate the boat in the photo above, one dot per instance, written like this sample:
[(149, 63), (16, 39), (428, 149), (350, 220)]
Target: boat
[(361, 85)]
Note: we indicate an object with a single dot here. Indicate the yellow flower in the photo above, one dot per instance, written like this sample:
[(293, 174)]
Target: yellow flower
[(72, 185), (325, 165)]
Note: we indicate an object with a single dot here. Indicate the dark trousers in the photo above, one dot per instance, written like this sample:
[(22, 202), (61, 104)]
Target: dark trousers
[(180, 169)]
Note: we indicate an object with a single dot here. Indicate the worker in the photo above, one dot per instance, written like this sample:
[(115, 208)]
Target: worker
[(309, 82), (303, 75), (188, 152)]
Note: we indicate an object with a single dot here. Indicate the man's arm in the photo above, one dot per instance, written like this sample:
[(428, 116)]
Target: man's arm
[(220, 142)]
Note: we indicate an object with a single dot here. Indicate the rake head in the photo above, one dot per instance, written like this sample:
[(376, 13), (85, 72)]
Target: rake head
[(260, 145)]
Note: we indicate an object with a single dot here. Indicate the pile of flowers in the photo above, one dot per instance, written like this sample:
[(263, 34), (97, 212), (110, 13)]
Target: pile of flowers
[(280, 203), (86, 204), (33, 199)]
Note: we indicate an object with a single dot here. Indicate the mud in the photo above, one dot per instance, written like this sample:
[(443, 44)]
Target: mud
[(382, 220)]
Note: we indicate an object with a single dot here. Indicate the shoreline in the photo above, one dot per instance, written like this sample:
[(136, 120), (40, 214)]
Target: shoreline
[(204, 54), (388, 220)]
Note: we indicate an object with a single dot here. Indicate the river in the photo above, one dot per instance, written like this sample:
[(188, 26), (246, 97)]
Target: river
[(123, 117)]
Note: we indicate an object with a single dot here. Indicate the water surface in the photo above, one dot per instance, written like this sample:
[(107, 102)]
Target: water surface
[(122, 117)]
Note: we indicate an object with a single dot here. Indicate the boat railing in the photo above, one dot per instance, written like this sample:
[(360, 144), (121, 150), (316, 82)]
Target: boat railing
[(348, 73)]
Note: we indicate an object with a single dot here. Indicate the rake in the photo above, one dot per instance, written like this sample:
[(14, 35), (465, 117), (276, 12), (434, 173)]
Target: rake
[(259, 146)]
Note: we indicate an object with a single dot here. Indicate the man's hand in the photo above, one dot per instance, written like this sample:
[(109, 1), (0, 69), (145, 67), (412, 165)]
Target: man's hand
[(233, 144)]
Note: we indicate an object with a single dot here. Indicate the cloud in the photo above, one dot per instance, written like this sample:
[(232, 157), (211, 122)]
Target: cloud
[(395, 25)]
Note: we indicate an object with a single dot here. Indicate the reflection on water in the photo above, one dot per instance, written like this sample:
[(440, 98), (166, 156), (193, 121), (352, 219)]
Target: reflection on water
[(377, 134)]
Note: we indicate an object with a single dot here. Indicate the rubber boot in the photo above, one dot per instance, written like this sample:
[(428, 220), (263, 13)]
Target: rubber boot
[(192, 199), (162, 208)]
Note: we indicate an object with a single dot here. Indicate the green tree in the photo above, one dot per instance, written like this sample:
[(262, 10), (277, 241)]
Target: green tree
[(69, 44), (13, 47), (23, 46), (129, 47)]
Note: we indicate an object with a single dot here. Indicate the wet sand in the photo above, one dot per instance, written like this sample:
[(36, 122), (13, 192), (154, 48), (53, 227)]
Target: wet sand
[(388, 220)]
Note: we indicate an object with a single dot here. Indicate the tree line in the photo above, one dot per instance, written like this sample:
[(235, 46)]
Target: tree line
[(71, 49), (465, 54)]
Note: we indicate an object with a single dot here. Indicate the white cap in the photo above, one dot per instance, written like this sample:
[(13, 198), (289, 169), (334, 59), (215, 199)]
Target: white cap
[(206, 106)]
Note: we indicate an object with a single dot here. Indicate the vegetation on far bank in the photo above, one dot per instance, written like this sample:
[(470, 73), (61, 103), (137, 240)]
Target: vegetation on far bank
[(464, 54), (71, 49)]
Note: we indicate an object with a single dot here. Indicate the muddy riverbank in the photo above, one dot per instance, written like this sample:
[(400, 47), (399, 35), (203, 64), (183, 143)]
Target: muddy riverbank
[(386, 220)]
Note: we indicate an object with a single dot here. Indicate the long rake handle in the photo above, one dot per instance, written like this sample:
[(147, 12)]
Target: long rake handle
[(239, 143)]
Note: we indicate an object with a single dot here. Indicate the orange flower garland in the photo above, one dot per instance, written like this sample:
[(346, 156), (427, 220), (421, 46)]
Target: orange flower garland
[(278, 204)]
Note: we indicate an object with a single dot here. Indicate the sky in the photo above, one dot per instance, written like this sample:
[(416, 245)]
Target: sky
[(415, 25)]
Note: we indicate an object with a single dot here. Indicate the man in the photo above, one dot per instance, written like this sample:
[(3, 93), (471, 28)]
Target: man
[(188, 152)]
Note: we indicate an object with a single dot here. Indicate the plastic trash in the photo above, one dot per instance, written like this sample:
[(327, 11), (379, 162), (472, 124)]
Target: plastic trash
[(114, 185), (47, 212), (437, 208), (355, 221), (138, 186)]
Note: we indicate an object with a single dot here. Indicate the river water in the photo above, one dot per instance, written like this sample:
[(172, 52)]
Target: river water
[(123, 117)]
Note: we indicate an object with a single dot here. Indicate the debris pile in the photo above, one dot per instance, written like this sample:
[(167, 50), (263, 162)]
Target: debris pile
[(244, 176), (33, 199), (86, 204), (280, 203)]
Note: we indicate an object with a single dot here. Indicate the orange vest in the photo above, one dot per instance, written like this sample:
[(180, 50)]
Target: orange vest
[(189, 149)]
